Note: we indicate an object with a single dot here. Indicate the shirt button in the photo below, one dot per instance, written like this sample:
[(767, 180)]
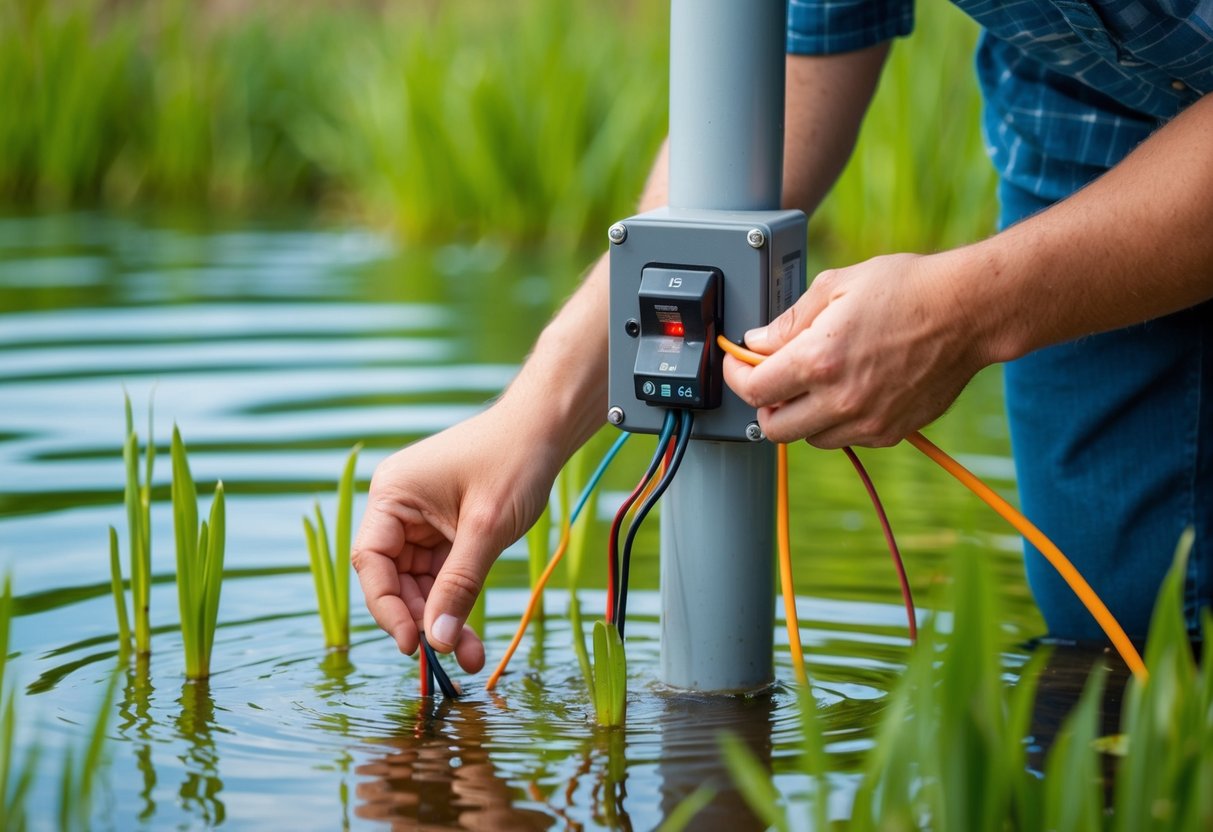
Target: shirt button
[(1178, 85)]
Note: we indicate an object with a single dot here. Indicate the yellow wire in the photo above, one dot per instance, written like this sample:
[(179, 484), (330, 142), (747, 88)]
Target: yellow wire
[(536, 592), (784, 538), (1089, 598)]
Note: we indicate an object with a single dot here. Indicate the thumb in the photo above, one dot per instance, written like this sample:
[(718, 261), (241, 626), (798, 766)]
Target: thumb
[(798, 317), (456, 587)]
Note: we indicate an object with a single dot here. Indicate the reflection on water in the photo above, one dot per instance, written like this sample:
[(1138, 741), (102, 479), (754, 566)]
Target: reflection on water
[(276, 349)]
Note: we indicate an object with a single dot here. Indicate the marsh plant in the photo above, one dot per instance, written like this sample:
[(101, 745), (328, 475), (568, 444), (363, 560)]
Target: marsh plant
[(16, 773), (137, 495), (200, 550), (950, 751), (331, 566)]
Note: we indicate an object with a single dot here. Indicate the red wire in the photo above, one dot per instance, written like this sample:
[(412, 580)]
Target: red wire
[(889, 539), (617, 523), (424, 665)]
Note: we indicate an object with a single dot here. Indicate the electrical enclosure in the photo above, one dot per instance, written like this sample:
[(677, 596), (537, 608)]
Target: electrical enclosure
[(678, 278)]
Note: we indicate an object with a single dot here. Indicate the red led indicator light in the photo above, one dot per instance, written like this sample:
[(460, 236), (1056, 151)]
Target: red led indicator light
[(675, 329)]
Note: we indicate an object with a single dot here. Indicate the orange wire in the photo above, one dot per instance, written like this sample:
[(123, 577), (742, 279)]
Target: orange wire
[(1103, 616), (536, 592), (784, 538)]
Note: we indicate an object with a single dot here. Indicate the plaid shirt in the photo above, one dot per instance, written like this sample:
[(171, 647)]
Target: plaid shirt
[(1070, 86)]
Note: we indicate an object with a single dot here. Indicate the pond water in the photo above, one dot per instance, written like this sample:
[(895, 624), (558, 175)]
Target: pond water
[(277, 347)]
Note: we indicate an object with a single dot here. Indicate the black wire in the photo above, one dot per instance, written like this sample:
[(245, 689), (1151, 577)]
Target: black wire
[(437, 673), (623, 510), (684, 439)]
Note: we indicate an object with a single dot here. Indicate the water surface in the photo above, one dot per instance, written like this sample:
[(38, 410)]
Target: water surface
[(275, 347)]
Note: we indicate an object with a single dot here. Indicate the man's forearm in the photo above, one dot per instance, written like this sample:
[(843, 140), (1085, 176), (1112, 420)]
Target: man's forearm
[(1132, 246)]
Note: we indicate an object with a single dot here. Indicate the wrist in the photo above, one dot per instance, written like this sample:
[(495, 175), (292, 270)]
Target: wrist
[(980, 282)]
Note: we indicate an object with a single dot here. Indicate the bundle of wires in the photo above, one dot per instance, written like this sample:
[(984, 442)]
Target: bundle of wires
[(561, 547), (673, 449), (431, 672)]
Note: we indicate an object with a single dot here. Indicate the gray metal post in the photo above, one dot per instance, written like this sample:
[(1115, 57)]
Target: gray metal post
[(717, 530)]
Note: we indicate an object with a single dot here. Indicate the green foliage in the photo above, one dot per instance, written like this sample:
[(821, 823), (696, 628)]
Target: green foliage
[(137, 496), (124, 624), (16, 775), (684, 813), (530, 122), (200, 551), (610, 675), (77, 782), (1165, 780), (331, 568), (950, 750)]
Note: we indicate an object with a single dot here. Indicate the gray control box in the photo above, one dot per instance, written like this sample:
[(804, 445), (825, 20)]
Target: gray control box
[(758, 258)]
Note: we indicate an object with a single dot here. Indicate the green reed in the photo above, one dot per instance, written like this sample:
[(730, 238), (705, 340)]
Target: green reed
[(137, 495), (16, 774), (331, 567), (610, 675), (950, 751), (200, 550)]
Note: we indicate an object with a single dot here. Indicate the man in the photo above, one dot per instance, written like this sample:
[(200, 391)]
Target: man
[(1097, 121)]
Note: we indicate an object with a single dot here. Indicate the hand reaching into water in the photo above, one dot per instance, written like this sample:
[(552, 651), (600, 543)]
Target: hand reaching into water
[(440, 512)]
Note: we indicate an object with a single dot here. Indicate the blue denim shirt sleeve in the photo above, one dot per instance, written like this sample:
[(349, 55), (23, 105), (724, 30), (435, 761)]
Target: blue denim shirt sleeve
[(825, 27)]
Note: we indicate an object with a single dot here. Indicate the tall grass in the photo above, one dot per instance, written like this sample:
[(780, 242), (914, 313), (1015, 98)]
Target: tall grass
[(200, 550), (16, 773), (530, 122), (331, 568), (138, 498), (950, 752)]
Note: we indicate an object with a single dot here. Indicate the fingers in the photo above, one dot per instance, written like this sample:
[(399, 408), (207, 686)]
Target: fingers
[(469, 652), (458, 583), (767, 339)]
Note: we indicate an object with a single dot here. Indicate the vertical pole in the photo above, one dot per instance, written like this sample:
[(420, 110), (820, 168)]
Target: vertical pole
[(717, 530)]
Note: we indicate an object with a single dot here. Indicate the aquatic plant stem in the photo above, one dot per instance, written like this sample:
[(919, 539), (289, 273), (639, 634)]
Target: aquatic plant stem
[(331, 568), (200, 554)]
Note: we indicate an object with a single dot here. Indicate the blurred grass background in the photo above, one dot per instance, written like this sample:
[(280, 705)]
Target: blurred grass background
[(531, 123)]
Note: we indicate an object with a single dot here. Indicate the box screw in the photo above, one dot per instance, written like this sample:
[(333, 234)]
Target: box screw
[(615, 415), (617, 233), (753, 432), (756, 238)]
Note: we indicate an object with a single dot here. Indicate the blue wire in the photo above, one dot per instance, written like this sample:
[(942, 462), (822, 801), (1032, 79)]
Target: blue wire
[(598, 472)]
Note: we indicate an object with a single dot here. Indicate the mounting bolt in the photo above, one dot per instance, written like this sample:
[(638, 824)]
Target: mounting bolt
[(632, 327), (618, 232), (754, 237), (615, 415), (753, 431)]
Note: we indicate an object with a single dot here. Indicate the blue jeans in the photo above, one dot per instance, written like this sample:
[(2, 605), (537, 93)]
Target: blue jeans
[(1113, 442)]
